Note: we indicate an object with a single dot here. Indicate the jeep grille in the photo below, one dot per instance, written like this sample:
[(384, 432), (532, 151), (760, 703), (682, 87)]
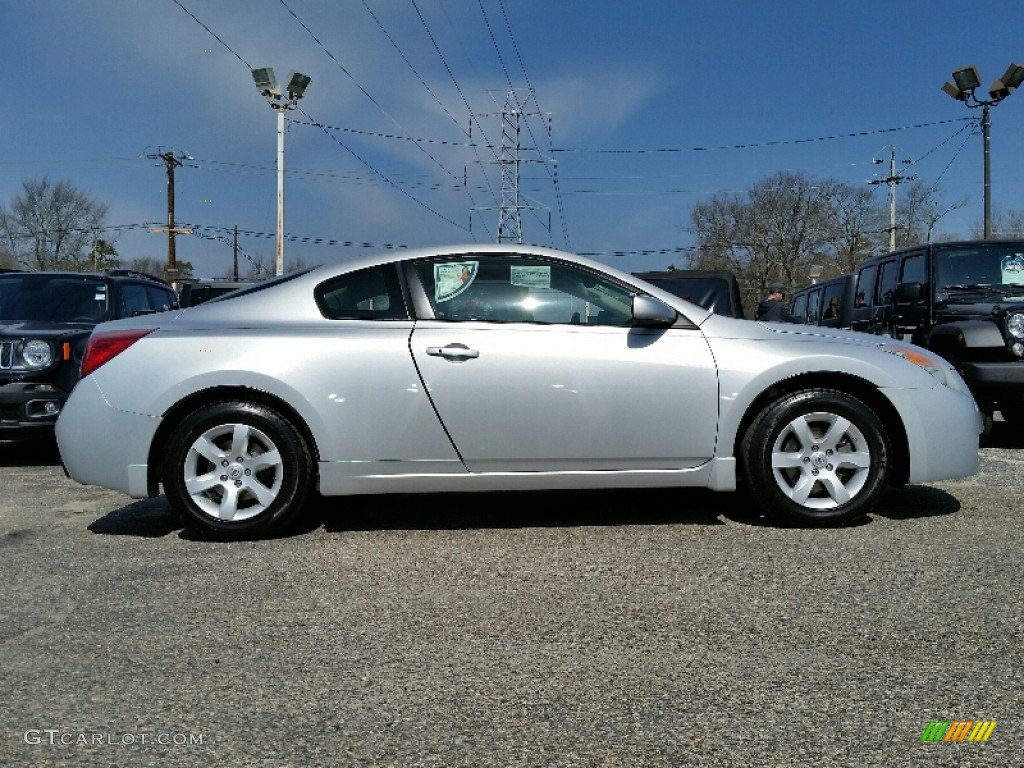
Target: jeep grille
[(6, 355)]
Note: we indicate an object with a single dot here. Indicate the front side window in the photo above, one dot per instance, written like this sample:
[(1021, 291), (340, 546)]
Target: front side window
[(914, 269), (504, 288), (813, 305), (832, 301), (160, 299), (887, 282), (865, 295), (134, 299), (800, 306)]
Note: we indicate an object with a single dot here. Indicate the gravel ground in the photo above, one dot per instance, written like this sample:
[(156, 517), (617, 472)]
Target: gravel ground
[(566, 629)]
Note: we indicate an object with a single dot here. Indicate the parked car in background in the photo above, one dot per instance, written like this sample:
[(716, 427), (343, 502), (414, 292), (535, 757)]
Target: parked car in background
[(828, 302), (196, 292), (499, 367), (962, 300), (716, 290), (45, 319)]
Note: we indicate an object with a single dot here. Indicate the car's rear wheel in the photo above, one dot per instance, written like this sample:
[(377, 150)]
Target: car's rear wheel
[(816, 457), (237, 469), (1013, 414)]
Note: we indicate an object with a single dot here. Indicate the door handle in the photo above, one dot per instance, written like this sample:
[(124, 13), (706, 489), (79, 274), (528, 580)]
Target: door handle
[(456, 352)]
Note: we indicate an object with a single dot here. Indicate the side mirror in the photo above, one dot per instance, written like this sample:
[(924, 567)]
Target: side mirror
[(649, 311)]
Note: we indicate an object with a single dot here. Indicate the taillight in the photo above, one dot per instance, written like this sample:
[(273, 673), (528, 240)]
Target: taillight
[(104, 346)]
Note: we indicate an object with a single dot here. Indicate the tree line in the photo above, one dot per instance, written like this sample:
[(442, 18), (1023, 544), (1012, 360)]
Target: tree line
[(784, 228), (791, 228)]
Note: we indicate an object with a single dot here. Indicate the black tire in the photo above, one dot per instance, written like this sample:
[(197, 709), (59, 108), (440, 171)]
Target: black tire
[(1013, 414), (816, 457), (262, 475)]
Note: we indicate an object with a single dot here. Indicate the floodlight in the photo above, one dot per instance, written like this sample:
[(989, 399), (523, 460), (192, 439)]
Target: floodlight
[(265, 81), (1013, 76), (953, 91), (999, 91), (967, 79), (297, 84)]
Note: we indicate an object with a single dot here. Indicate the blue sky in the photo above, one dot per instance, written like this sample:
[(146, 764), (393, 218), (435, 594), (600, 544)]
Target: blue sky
[(717, 95)]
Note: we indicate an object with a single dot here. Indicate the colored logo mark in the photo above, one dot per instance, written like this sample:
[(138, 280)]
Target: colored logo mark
[(958, 730)]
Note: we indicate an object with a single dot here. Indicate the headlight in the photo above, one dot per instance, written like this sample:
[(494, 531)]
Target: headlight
[(1015, 325), (940, 369), (36, 354)]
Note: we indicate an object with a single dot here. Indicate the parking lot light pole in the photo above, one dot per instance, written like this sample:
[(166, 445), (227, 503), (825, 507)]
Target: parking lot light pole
[(266, 84), (965, 81)]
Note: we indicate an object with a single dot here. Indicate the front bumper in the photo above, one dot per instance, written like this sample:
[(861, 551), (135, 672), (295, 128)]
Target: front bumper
[(28, 406), (993, 375), (943, 429), (995, 382)]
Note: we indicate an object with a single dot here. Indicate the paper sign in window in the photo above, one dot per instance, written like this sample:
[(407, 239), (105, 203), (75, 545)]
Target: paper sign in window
[(453, 278), (538, 276)]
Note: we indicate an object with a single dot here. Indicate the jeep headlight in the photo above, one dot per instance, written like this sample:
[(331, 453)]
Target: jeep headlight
[(1015, 325), (940, 369), (36, 354)]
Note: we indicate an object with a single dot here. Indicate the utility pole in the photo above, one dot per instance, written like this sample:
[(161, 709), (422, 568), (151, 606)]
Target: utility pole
[(171, 161), (266, 84), (892, 180), (510, 160), (235, 249)]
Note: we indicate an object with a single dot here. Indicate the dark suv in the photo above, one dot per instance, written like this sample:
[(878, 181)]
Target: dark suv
[(45, 320), (716, 290), (201, 291), (828, 302), (962, 300)]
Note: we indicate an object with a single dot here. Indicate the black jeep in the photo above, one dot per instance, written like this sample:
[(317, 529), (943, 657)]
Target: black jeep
[(45, 320), (962, 300), (716, 290)]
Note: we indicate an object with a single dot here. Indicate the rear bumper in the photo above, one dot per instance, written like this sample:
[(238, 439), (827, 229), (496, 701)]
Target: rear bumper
[(100, 445)]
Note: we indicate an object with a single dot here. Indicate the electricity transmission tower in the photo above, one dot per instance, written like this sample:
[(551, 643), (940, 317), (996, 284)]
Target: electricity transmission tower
[(510, 161)]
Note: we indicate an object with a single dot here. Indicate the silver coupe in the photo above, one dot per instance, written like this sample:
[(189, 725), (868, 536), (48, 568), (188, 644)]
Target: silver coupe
[(499, 367)]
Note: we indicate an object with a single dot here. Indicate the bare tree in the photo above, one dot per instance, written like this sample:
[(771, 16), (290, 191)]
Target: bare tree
[(51, 225), (1006, 225), (785, 225), (781, 227), (919, 211)]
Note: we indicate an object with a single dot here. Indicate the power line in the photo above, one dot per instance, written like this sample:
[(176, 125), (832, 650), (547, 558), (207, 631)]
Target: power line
[(380, 174), (366, 92), (335, 60), (761, 145), (553, 170), (409, 64), (333, 138), (197, 21), (455, 82)]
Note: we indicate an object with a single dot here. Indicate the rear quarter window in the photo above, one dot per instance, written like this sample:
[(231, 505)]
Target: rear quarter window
[(369, 294)]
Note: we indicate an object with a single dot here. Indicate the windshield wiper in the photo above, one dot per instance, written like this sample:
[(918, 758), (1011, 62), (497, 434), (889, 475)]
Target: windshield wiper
[(978, 287)]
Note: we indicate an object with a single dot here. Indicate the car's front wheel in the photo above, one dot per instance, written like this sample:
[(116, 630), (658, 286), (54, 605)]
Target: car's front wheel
[(237, 469), (816, 456)]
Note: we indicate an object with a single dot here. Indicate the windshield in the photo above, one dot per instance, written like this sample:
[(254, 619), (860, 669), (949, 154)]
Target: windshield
[(41, 297), (992, 268)]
